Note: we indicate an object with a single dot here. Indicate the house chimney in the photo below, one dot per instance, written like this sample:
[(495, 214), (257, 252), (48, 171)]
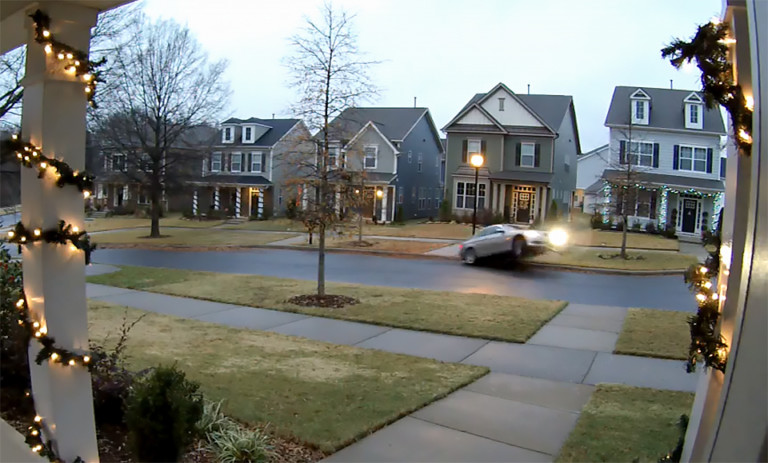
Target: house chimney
[(670, 84), (414, 102), (529, 89), (273, 116)]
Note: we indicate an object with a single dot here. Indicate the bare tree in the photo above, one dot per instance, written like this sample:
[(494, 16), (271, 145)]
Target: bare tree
[(165, 90), (330, 74)]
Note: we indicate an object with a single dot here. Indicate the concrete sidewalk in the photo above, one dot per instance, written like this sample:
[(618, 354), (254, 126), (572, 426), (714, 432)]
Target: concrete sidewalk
[(523, 411)]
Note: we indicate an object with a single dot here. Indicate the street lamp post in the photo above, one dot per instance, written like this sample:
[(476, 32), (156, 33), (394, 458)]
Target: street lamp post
[(477, 162), (376, 205)]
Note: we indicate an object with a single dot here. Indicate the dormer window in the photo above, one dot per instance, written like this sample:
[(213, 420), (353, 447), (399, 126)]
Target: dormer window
[(640, 104), (248, 134), (501, 104), (694, 112), (228, 135)]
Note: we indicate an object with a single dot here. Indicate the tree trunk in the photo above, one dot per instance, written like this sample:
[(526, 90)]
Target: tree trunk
[(321, 261), (623, 253), (360, 218), (155, 215)]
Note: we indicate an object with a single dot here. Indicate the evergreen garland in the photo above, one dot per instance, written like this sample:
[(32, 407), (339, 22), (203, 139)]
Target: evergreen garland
[(709, 47)]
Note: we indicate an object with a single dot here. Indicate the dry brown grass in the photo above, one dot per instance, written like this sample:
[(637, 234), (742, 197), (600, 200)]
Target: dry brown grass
[(181, 237), (655, 333), (369, 244), (124, 221), (590, 258)]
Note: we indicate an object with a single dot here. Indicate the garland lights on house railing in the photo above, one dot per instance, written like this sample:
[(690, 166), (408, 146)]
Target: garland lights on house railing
[(709, 47), (76, 62)]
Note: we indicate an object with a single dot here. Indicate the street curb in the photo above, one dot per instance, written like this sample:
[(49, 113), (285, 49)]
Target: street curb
[(393, 254)]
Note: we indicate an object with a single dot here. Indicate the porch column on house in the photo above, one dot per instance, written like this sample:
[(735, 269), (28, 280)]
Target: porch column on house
[(496, 198), (384, 207), (260, 203), (237, 202), (544, 203), (216, 198), (53, 118), (194, 202), (250, 201)]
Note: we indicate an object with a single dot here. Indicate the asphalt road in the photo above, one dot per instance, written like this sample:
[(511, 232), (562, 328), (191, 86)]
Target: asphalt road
[(656, 292)]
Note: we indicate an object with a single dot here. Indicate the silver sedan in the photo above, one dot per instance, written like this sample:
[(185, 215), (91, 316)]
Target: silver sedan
[(510, 240)]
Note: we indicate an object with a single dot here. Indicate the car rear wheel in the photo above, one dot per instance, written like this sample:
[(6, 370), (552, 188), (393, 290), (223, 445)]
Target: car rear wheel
[(470, 256), (518, 247)]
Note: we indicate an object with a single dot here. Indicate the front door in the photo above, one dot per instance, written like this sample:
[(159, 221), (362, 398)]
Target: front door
[(689, 215), (523, 214), (254, 202)]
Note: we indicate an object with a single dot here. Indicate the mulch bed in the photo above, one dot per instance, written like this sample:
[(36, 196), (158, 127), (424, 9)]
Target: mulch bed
[(328, 301)]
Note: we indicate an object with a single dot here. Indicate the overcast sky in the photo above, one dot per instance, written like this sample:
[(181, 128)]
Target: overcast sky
[(445, 51)]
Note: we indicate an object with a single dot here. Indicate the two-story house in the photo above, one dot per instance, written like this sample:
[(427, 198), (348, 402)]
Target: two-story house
[(673, 142), (589, 177), (243, 176), (529, 145), (397, 151)]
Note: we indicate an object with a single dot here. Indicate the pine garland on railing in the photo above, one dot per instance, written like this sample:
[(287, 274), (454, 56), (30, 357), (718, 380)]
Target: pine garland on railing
[(63, 233)]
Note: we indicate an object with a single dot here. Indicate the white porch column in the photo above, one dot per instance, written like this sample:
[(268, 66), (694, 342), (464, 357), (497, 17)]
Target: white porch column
[(304, 197), (53, 117), (216, 198), (544, 202), (384, 206), (194, 202), (250, 202), (237, 202), (260, 204)]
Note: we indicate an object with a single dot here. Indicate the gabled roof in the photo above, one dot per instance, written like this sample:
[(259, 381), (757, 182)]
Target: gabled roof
[(667, 110), (589, 154), (393, 123), (277, 128), (375, 127)]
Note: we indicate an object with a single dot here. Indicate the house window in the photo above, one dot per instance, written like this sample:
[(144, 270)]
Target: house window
[(248, 135), (400, 195), (216, 162), (694, 114), (419, 163), (228, 135), (501, 104), (639, 110), (118, 163), (143, 198), (693, 159), (371, 156), (333, 156), (413, 193), (641, 154), (473, 146), (237, 162), (646, 204), (422, 198), (465, 195), (410, 156), (527, 154), (256, 161)]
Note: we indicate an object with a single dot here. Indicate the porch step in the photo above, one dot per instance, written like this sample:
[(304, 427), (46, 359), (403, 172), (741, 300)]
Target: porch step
[(98, 214), (236, 220)]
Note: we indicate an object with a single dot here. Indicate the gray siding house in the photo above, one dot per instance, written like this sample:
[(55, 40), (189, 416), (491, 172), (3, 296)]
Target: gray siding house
[(242, 176), (396, 150), (530, 144), (674, 143)]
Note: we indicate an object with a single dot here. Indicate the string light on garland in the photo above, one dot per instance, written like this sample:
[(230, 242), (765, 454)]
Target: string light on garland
[(709, 48), (707, 346), (64, 233), (32, 156), (76, 62)]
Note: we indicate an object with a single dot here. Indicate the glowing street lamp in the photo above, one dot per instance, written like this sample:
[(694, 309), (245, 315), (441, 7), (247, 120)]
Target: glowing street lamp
[(476, 159), (377, 207)]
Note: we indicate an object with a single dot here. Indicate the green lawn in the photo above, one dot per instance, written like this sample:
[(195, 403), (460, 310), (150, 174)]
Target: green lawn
[(622, 423), (588, 237), (181, 237), (486, 316), (323, 394), (590, 258), (655, 333), (128, 221)]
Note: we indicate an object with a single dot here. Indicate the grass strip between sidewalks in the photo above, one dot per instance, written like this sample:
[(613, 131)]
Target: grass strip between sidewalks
[(623, 423), (323, 394), (655, 333), (503, 318), (590, 258)]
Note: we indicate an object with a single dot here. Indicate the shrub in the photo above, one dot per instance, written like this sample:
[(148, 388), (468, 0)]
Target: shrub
[(161, 414), (669, 232), (212, 419), (596, 221), (484, 217), (400, 215), (214, 214), (498, 217), (636, 227), (650, 227), (236, 444), (445, 211), (552, 214), (124, 210), (14, 366), (292, 209)]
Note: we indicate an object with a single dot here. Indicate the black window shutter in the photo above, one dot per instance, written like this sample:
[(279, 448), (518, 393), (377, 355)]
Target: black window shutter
[(709, 160), (482, 148), (518, 149), (622, 152), (464, 151), (656, 155), (210, 162), (537, 155), (225, 162), (263, 161), (676, 158), (722, 167)]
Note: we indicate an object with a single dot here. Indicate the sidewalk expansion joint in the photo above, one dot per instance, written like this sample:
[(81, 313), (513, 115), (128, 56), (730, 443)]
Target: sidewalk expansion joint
[(387, 330), (475, 351)]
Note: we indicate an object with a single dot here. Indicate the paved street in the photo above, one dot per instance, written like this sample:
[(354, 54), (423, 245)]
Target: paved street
[(657, 292)]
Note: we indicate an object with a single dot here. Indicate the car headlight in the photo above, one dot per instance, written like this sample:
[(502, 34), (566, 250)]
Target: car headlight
[(531, 235), (558, 237)]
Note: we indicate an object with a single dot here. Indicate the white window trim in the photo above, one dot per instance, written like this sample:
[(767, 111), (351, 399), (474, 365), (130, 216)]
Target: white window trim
[(114, 164), (479, 142), (224, 138), (646, 110), (693, 158), (375, 156), (688, 112), (232, 164), (253, 134), (480, 186), (213, 160), (501, 104), (256, 160), (628, 156), (337, 155), (532, 155)]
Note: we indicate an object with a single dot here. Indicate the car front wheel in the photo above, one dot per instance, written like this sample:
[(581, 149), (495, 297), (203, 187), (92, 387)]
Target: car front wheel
[(470, 256), (518, 247)]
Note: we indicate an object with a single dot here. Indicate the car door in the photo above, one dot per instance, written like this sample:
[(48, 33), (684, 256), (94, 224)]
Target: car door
[(496, 243), (486, 245)]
